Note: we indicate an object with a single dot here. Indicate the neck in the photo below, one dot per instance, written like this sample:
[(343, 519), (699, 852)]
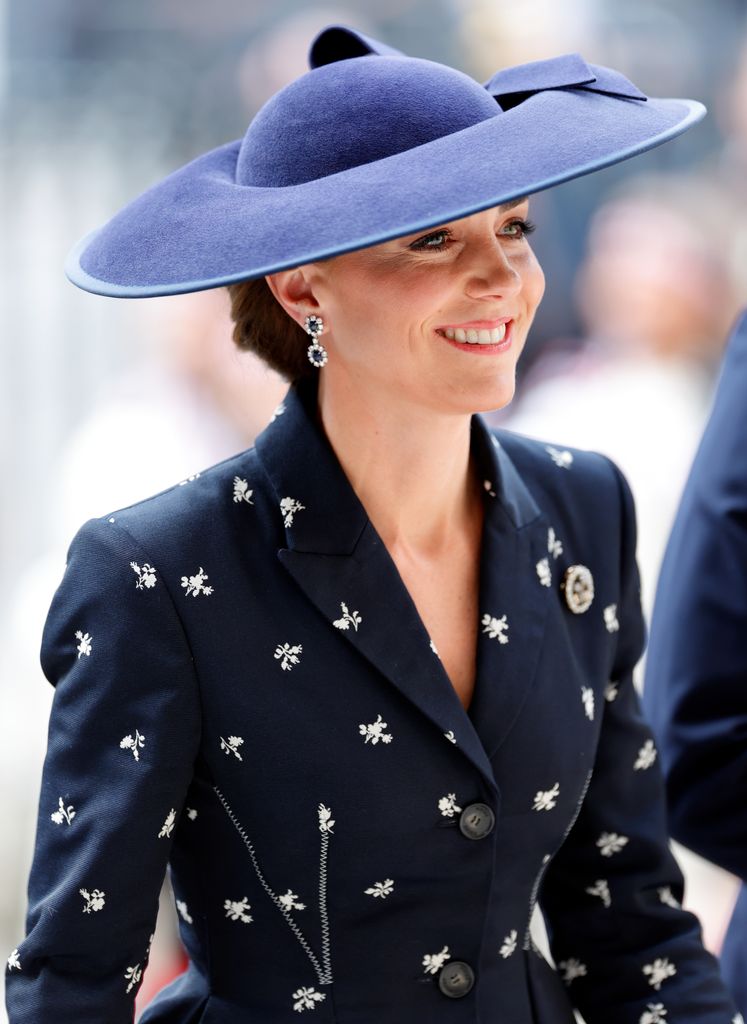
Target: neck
[(409, 467)]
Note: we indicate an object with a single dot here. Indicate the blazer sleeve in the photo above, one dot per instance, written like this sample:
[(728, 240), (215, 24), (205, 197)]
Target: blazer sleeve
[(123, 735), (696, 672), (611, 896)]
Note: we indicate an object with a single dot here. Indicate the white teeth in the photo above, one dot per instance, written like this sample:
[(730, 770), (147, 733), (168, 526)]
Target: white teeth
[(474, 337), (460, 335)]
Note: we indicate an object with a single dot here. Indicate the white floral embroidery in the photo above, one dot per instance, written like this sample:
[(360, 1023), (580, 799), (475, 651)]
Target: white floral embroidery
[(509, 945), (135, 744), (554, 546), (191, 813), (326, 821), (488, 485), (611, 842), (168, 826), (450, 736), (288, 656), (237, 910), (563, 459), (654, 1014), (374, 732), (610, 692), (739, 1019), (587, 698), (601, 889), (231, 745), (543, 572), (241, 490), (94, 900), (348, 618), (447, 805), (63, 814), (146, 576), (13, 962), (545, 800), (433, 962), (289, 507), (307, 998), (646, 756), (495, 628), (133, 976), (382, 889), (433, 648), (181, 906), (189, 480), (667, 897), (289, 901), (195, 585), (572, 969), (610, 618), (112, 519), (659, 971), (279, 410), (85, 646)]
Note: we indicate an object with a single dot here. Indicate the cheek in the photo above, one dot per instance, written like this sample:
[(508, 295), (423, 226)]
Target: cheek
[(534, 283)]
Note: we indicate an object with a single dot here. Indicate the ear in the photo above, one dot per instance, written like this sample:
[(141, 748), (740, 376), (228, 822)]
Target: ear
[(294, 292)]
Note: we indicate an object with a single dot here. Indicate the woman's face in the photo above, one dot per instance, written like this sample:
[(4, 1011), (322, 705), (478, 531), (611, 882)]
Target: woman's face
[(438, 319)]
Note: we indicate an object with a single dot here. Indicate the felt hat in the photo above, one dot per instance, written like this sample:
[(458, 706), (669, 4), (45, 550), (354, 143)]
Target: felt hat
[(369, 145)]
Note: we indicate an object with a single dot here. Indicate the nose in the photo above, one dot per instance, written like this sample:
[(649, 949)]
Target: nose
[(490, 271)]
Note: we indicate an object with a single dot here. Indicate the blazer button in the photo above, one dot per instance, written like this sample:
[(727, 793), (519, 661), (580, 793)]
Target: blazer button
[(456, 979), (476, 821)]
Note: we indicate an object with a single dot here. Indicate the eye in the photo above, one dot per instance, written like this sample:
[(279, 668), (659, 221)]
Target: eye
[(519, 228), (436, 240)]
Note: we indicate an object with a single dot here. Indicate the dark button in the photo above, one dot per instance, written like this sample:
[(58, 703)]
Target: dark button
[(476, 821), (456, 979)]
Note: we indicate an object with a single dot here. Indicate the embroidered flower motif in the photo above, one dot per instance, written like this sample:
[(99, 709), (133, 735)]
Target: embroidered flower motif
[(610, 618), (601, 889), (611, 842), (135, 745), (189, 480), (288, 656), (237, 910), (168, 826), (85, 646), (509, 945), (562, 458), (447, 805), (133, 975), (433, 962), (487, 484), (646, 756), (348, 618), (94, 900), (495, 628), (279, 410), (739, 1019), (241, 491), (667, 897), (231, 746), (572, 969), (547, 799), (433, 648), (195, 585), (659, 971), (610, 692), (326, 821), (13, 962), (290, 901), (382, 889), (307, 999), (181, 906), (146, 576), (374, 732), (450, 736), (289, 507), (543, 572), (554, 546), (63, 814), (587, 698), (655, 1014), (191, 813)]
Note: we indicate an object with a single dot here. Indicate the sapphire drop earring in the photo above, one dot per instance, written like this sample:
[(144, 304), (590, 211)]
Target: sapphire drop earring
[(314, 325)]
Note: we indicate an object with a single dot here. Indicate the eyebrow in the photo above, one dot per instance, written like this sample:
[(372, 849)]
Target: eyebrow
[(512, 203)]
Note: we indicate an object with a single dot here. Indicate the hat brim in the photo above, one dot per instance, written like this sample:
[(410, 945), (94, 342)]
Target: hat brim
[(198, 229)]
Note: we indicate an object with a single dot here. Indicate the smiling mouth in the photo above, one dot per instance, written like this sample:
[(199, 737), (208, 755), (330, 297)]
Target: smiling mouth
[(473, 336)]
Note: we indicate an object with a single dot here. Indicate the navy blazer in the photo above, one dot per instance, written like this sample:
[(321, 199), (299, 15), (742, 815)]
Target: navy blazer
[(246, 692), (696, 680)]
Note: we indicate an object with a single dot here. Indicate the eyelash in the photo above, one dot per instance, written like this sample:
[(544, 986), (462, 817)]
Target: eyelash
[(526, 227)]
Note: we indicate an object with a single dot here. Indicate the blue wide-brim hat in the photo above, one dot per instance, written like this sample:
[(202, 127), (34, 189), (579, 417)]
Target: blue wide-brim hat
[(368, 146)]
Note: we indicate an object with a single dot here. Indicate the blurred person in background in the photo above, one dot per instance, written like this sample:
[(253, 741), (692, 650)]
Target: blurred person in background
[(418, 549)]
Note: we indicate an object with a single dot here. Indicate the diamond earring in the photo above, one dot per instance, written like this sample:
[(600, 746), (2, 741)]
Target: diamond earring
[(314, 325)]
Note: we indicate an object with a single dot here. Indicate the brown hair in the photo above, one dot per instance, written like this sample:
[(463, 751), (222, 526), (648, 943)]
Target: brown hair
[(262, 326)]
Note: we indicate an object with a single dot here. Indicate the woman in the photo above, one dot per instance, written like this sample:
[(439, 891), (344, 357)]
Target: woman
[(366, 687)]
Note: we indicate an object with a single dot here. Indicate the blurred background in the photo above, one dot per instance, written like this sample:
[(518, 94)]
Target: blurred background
[(103, 401)]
